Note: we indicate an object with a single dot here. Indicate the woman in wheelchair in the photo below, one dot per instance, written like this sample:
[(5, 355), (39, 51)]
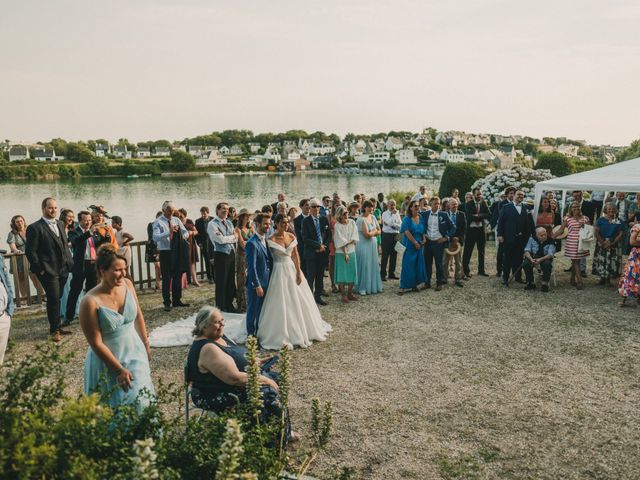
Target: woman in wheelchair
[(216, 368)]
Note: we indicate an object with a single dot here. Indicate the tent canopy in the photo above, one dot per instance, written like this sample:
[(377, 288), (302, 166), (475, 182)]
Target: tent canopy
[(619, 177)]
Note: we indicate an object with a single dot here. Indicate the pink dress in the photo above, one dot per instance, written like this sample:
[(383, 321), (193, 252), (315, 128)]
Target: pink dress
[(571, 243)]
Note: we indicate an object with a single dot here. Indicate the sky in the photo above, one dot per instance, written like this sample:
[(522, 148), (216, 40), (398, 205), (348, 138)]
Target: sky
[(152, 69)]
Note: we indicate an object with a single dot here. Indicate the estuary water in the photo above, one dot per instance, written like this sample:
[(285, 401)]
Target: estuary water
[(137, 200)]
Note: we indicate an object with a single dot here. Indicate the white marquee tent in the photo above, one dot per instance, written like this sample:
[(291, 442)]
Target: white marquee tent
[(619, 177)]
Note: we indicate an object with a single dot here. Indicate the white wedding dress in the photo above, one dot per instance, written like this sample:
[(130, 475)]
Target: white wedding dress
[(289, 314)]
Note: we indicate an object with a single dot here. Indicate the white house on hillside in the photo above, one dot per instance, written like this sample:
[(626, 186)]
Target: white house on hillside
[(224, 150), (568, 150), (102, 150), (162, 152), (235, 150), (18, 152), (406, 157), (121, 151), (44, 154), (393, 143), (143, 152), (254, 147), (451, 156)]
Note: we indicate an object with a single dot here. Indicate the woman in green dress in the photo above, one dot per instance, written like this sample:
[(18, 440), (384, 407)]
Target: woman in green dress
[(117, 362)]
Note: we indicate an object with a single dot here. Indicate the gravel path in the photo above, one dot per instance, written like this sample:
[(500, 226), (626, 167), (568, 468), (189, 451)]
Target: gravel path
[(473, 382)]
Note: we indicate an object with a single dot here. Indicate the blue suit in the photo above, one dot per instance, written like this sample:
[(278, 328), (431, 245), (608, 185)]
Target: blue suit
[(434, 250), (259, 266)]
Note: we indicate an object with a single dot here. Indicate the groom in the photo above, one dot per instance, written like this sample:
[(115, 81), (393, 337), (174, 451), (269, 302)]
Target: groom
[(259, 265)]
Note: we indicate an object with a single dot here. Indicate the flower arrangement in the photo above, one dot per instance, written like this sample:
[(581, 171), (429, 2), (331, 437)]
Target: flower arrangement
[(520, 177)]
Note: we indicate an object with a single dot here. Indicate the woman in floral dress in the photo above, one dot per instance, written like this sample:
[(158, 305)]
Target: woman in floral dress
[(629, 285), (244, 233)]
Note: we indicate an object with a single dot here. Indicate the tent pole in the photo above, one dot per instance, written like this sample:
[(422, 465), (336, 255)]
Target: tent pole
[(564, 201)]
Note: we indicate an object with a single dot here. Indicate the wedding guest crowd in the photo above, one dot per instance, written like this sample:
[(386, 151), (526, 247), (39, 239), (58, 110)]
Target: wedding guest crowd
[(356, 245)]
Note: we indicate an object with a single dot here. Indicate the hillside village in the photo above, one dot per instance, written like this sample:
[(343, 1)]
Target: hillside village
[(300, 151)]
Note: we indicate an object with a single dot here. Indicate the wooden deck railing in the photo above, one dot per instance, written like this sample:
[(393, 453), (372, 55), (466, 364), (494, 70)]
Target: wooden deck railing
[(143, 274)]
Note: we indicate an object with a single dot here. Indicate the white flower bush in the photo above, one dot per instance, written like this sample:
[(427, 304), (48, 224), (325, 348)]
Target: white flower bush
[(519, 177)]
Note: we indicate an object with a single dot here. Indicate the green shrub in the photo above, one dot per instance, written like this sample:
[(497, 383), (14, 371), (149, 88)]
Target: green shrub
[(44, 434), (460, 176), (557, 163)]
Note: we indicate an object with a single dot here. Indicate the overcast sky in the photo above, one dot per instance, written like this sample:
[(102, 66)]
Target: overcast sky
[(150, 69)]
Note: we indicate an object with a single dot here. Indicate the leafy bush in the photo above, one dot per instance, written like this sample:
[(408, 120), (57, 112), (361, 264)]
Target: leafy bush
[(558, 164), (44, 434), (460, 176)]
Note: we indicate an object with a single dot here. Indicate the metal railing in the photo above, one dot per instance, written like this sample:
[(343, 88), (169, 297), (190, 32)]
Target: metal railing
[(143, 274)]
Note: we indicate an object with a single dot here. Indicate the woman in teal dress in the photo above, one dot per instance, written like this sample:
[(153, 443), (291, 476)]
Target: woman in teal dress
[(117, 362), (369, 280), (413, 268)]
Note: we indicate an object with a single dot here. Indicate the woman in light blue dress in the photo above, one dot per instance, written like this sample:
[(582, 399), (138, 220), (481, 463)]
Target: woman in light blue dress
[(413, 269), (117, 362), (369, 280)]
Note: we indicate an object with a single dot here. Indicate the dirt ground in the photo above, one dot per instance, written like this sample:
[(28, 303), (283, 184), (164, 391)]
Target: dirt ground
[(473, 382)]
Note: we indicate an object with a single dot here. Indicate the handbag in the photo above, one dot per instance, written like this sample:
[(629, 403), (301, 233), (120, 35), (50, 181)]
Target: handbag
[(399, 247), (587, 239)]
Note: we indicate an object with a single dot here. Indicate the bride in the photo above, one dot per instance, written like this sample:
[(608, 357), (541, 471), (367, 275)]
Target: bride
[(289, 314)]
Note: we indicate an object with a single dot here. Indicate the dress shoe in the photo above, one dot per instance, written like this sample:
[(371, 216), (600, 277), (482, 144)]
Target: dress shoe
[(65, 332), (384, 279), (180, 304), (320, 301), (545, 288), (530, 286), (459, 284), (519, 280), (56, 337), (167, 308), (426, 285), (505, 283), (468, 275), (65, 323), (482, 274), (393, 277), (438, 287), (583, 274), (498, 273)]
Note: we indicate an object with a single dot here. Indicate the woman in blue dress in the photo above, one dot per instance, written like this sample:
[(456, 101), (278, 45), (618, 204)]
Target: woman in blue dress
[(412, 231), (369, 280), (117, 362)]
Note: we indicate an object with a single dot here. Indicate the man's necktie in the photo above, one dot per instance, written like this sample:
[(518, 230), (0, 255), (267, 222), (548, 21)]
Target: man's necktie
[(317, 222)]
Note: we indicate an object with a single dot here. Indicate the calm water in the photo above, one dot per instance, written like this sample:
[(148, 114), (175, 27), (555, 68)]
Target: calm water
[(137, 200)]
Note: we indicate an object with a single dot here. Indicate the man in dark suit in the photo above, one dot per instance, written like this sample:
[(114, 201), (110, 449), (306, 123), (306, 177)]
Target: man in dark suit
[(515, 226), (202, 239), (438, 229), (459, 221), (84, 242), (316, 235), (476, 212), (509, 193), (49, 258), (297, 225)]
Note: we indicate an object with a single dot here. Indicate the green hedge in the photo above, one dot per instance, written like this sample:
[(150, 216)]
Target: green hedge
[(460, 176)]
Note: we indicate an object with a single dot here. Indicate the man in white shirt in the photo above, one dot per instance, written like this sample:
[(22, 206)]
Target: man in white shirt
[(421, 193), (222, 235), (391, 223), (165, 228)]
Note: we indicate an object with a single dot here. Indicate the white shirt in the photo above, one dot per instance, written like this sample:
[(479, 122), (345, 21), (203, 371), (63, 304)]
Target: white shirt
[(622, 215), (222, 232), (518, 207), (53, 225), (433, 232), (391, 222), (417, 196), (476, 223)]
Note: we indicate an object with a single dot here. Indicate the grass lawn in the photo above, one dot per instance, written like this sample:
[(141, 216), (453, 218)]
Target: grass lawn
[(473, 382)]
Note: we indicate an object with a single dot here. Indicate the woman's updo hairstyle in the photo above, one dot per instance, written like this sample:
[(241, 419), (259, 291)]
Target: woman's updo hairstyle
[(107, 254), (279, 218), (203, 319)]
